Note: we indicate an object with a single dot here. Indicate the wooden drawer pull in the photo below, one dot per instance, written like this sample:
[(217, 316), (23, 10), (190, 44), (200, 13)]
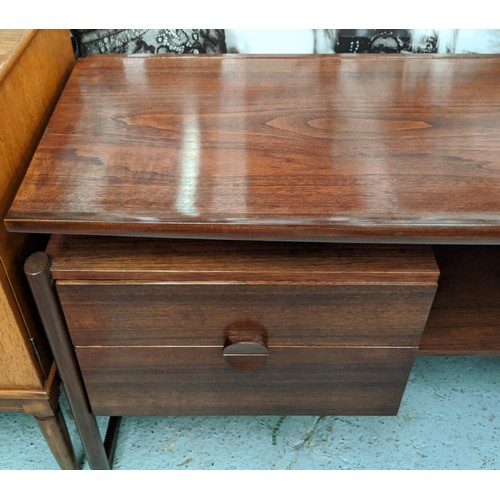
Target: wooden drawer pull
[(245, 345)]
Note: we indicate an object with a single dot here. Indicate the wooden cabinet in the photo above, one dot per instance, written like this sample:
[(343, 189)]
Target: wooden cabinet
[(34, 66)]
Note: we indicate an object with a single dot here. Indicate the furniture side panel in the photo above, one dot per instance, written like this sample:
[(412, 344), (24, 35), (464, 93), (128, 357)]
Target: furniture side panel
[(28, 94), (19, 368)]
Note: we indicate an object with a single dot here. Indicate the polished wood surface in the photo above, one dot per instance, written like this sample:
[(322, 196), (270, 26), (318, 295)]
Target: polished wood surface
[(121, 291), (131, 313), (34, 65), (335, 327), (329, 148), (100, 258), (465, 316), (197, 381), (37, 270)]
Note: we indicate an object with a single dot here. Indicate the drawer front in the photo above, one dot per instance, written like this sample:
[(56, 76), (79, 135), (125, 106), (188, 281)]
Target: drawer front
[(168, 314), (197, 381)]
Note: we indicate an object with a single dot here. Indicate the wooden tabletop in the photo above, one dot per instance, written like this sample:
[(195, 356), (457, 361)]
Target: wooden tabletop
[(363, 148)]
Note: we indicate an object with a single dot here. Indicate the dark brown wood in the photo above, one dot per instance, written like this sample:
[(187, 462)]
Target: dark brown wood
[(101, 258), (40, 281), (326, 148), (465, 316), (196, 381), (131, 313), (306, 294), (111, 438)]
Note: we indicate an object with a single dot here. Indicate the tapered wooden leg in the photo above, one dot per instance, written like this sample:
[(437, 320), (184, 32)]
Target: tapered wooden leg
[(57, 436), (37, 270)]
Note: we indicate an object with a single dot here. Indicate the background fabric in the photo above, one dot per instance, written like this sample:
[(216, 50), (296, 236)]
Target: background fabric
[(218, 41), (137, 41)]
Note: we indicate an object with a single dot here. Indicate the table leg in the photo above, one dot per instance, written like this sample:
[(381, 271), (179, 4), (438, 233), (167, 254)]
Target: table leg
[(57, 436), (37, 270)]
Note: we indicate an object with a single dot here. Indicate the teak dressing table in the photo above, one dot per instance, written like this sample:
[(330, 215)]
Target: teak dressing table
[(263, 235)]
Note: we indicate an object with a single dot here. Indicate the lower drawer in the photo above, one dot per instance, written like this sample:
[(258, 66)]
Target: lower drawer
[(197, 381)]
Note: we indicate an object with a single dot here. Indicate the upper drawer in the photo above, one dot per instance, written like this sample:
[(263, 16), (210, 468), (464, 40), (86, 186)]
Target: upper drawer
[(131, 313), (146, 292)]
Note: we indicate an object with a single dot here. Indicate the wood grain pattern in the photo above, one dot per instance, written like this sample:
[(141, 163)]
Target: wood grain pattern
[(37, 270), (326, 148), (12, 44), (19, 367), (101, 258), (34, 67), (28, 400), (197, 381), (126, 313), (27, 97), (122, 291), (465, 316)]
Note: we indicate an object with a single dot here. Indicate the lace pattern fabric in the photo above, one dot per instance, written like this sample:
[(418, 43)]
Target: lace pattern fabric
[(141, 41), (213, 41)]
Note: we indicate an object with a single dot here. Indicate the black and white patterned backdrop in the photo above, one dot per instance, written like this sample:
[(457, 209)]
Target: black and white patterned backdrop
[(301, 41)]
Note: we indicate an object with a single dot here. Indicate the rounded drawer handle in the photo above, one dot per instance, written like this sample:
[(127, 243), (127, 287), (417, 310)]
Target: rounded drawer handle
[(245, 345)]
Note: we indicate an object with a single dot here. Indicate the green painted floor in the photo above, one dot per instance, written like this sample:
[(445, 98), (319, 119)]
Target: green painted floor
[(449, 419)]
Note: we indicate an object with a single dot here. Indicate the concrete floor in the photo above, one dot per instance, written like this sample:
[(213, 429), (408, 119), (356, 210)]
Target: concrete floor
[(449, 419)]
